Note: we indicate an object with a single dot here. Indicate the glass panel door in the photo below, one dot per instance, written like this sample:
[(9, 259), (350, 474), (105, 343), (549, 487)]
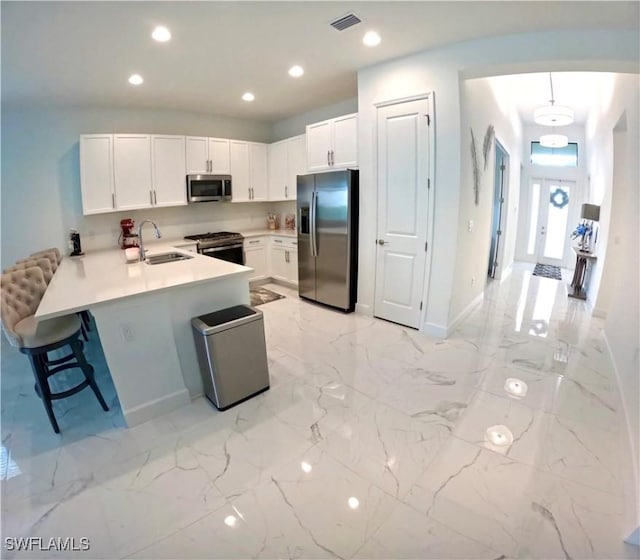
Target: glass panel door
[(549, 204)]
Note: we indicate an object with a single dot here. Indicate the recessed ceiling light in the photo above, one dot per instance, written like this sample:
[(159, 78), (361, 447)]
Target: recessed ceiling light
[(135, 79), (296, 71), (161, 34), (371, 39), (248, 96)]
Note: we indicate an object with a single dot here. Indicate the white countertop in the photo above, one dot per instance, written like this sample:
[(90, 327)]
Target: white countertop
[(265, 231), (102, 276)]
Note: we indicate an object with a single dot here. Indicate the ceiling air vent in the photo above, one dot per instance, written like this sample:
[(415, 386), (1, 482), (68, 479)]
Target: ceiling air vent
[(345, 22)]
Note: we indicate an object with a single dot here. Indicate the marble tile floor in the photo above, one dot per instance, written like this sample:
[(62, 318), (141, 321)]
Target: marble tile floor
[(374, 441)]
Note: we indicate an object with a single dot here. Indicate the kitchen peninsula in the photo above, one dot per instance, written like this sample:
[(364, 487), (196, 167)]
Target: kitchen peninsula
[(143, 315)]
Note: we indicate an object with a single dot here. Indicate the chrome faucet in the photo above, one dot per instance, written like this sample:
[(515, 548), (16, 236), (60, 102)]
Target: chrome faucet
[(141, 248)]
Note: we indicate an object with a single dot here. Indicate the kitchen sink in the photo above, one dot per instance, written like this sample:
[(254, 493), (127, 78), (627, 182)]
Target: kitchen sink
[(161, 258)]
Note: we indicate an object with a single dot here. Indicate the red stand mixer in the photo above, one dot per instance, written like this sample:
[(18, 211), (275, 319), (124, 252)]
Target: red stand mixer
[(127, 238)]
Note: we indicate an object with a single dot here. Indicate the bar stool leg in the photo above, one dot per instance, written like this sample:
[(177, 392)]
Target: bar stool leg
[(43, 390), (86, 319), (87, 369)]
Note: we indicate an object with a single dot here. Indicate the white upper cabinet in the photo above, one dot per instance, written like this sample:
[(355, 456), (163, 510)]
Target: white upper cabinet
[(319, 146), (248, 171), (132, 171), (169, 170), (219, 156), (258, 170), (277, 155), (297, 163), (197, 153), (287, 160), (240, 174), (96, 173), (207, 155), (333, 144), (345, 142)]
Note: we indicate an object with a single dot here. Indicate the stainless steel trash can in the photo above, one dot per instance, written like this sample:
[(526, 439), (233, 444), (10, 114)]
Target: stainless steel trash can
[(232, 354)]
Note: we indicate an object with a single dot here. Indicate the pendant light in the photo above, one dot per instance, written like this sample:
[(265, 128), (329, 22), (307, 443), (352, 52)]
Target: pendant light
[(553, 115), (554, 140)]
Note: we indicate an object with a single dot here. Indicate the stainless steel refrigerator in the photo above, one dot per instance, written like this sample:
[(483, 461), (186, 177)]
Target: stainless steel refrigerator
[(328, 238)]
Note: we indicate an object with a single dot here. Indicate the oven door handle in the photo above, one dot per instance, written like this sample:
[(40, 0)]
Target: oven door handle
[(224, 248)]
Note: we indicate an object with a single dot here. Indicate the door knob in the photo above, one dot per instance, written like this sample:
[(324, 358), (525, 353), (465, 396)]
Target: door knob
[(382, 242)]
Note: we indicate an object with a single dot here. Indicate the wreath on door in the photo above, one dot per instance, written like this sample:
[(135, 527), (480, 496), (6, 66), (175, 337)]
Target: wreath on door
[(559, 198)]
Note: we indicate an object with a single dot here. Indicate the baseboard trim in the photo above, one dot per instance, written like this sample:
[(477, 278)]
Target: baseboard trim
[(465, 312), (506, 272), (633, 446), (596, 311), (152, 409), (284, 283), (364, 309), (439, 331)]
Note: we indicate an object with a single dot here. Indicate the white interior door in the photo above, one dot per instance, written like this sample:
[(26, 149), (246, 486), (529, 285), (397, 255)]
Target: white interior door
[(549, 211), (403, 166)]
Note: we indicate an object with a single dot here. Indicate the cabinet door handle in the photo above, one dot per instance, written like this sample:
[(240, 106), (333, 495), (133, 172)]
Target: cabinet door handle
[(333, 161), (113, 200), (151, 197), (286, 195), (328, 157), (277, 241), (155, 197), (286, 256), (255, 241)]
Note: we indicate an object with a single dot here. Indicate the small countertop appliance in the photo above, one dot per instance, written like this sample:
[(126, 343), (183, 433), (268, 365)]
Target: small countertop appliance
[(127, 237)]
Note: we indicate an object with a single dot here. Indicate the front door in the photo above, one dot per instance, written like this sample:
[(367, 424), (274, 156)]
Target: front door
[(403, 167), (548, 238)]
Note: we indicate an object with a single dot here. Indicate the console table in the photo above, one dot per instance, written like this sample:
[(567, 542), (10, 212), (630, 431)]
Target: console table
[(580, 282)]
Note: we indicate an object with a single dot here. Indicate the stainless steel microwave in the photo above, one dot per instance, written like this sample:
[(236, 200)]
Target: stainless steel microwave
[(208, 188)]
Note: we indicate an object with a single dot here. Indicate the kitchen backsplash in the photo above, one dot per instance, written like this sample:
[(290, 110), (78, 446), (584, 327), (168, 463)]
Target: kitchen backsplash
[(101, 231)]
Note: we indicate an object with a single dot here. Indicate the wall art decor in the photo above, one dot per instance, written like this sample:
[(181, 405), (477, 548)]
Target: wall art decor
[(488, 142), (476, 170)]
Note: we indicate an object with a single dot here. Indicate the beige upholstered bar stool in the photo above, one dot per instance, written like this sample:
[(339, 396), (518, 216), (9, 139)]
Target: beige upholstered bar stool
[(55, 257), (53, 251), (43, 262), (21, 291)]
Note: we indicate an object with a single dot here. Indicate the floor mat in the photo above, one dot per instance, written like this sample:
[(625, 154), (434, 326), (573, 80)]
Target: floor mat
[(262, 295), (548, 271)]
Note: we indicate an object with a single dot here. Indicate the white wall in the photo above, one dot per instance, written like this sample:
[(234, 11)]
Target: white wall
[(479, 109), (41, 174), (439, 71), (293, 126), (578, 174), (613, 140)]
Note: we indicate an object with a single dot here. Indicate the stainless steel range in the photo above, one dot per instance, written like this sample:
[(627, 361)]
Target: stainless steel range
[(223, 245)]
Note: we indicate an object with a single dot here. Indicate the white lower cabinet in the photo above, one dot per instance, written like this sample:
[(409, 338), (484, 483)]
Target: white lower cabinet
[(255, 256), (283, 259)]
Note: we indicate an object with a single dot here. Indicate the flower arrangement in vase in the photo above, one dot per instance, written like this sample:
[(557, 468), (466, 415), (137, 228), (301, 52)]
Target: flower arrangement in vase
[(584, 231)]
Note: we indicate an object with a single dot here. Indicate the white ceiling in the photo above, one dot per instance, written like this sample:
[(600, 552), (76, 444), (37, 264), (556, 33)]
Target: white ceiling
[(582, 91), (81, 53)]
